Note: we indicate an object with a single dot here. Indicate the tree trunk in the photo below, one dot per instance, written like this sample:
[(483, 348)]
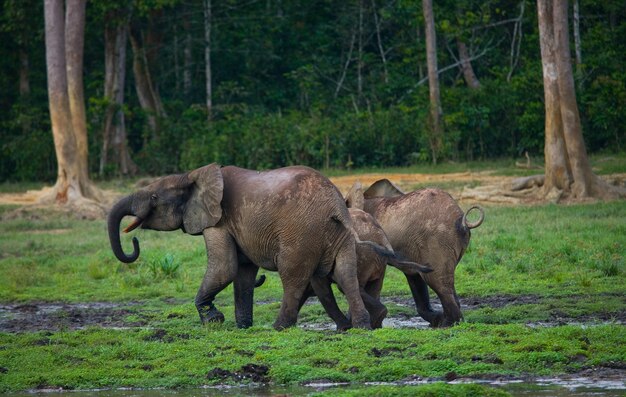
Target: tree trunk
[(577, 43), (74, 48), (114, 128), (149, 100), (567, 168), (466, 66), (577, 153), (207, 58), (24, 73), (187, 51), (72, 183), (436, 129), (557, 171)]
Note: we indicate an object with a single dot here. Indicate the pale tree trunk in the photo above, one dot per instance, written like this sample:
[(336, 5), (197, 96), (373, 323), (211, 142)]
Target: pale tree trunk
[(567, 167), (207, 58), (72, 183), (436, 128), (466, 65), (558, 175), (74, 48)]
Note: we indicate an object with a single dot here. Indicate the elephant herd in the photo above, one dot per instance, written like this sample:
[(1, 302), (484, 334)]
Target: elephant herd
[(293, 220)]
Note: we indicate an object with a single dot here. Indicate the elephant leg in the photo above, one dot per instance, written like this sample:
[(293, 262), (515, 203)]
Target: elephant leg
[(371, 299), (419, 290), (345, 275), (221, 271), (308, 292), (324, 292), (451, 308), (244, 294), (293, 291)]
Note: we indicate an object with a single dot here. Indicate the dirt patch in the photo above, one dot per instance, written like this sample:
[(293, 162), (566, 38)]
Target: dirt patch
[(32, 317), (251, 372)]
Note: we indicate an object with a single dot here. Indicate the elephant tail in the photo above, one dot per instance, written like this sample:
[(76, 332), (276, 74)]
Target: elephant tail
[(408, 267), (478, 222), (259, 281), (386, 252)]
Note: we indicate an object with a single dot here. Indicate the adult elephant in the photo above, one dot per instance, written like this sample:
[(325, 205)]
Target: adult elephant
[(425, 226), (292, 220)]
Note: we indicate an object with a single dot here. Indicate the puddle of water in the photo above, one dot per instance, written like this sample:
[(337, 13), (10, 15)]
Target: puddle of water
[(542, 387)]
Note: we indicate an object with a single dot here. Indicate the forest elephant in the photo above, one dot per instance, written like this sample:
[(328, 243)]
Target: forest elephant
[(292, 220), (424, 226), (371, 266)]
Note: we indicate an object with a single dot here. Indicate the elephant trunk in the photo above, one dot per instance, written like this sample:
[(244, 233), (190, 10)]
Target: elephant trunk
[(119, 211)]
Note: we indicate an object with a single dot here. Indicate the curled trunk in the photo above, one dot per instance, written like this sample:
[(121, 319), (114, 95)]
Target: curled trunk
[(118, 212)]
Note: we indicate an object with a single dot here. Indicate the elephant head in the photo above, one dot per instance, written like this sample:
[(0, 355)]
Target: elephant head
[(189, 201)]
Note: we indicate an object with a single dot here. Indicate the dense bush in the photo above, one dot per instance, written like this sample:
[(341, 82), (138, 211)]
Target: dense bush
[(294, 85)]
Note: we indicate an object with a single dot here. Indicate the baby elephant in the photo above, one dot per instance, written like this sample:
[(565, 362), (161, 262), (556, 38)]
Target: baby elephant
[(425, 226), (371, 266)]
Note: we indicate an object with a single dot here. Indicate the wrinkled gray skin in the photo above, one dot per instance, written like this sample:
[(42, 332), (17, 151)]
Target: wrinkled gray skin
[(292, 220), (371, 266), (425, 226)]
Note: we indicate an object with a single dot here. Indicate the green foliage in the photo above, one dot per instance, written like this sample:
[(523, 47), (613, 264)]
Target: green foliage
[(166, 266), (292, 84)]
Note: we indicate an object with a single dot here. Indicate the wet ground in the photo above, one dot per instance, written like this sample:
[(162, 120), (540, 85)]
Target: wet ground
[(54, 316), (609, 385)]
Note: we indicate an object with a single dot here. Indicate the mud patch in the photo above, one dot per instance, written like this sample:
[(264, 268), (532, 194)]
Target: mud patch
[(32, 317), (249, 372)]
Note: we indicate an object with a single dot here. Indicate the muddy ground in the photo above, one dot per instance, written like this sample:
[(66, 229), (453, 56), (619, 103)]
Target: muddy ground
[(55, 316), (48, 317)]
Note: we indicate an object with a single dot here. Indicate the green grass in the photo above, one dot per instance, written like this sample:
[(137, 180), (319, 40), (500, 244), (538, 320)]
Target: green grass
[(570, 258)]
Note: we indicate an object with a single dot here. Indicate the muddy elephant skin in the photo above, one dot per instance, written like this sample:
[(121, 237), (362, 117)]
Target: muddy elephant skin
[(425, 226), (291, 220), (371, 267)]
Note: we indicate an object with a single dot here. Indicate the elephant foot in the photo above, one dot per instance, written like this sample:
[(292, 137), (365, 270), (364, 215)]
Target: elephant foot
[(210, 314), (362, 321), (441, 321), (243, 324), (344, 326), (280, 325), (378, 317)]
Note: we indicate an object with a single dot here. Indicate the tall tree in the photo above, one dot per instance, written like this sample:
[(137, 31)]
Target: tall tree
[(145, 50), (114, 141), (436, 127), (64, 48), (567, 168), (466, 65)]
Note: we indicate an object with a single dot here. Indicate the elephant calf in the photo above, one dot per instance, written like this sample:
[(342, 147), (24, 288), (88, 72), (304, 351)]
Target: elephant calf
[(424, 226), (371, 266)]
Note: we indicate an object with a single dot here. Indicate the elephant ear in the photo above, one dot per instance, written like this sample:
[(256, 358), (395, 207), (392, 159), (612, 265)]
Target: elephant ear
[(383, 188), (204, 205), (354, 197)]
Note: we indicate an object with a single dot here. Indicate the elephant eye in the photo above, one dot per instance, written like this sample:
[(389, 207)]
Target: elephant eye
[(153, 198)]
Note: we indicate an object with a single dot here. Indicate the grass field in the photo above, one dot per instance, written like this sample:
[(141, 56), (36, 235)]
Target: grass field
[(542, 289)]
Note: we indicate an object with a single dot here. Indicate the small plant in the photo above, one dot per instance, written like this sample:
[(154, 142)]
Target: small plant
[(167, 266)]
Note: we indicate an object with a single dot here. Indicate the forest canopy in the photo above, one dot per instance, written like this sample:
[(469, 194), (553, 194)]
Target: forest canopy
[(321, 83)]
